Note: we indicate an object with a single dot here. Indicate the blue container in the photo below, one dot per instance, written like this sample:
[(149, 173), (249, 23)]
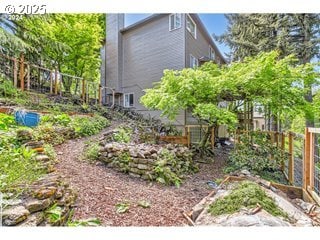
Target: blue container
[(29, 119)]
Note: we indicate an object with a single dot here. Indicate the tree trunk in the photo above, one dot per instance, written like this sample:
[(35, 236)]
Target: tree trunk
[(204, 140)]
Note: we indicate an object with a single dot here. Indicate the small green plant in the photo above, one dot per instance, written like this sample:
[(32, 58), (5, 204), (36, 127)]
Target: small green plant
[(54, 213), (49, 151), (122, 207), (6, 121), (7, 89), (92, 152), (246, 194), (60, 119), (90, 222), (123, 135), (122, 161), (144, 204), (18, 166)]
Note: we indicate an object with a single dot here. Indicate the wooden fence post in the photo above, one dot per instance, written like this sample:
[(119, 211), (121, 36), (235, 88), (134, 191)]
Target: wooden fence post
[(56, 81), (15, 73), (307, 159), (291, 159), (282, 145), (100, 95), (187, 130), (22, 72)]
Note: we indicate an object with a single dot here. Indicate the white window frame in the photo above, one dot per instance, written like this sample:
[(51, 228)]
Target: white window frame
[(175, 21), (195, 26), (193, 63), (212, 53), (124, 100)]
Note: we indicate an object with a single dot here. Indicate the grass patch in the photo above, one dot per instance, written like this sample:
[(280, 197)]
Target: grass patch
[(246, 194)]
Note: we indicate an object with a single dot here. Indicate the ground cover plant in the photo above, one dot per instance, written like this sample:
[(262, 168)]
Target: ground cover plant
[(246, 194)]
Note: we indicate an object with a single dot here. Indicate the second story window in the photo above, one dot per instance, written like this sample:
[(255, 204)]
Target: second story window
[(191, 26), (211, 53), (174, 21), (193, 62)]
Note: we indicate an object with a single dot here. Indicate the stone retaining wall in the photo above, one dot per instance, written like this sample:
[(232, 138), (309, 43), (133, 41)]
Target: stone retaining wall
[(140, 160), (33, 207)]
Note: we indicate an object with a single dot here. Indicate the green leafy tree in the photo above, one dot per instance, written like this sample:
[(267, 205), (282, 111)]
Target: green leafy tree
[(264, 79), (70, 42)]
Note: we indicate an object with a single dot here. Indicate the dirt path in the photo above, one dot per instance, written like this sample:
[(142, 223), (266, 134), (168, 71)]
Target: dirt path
[(100, 189)]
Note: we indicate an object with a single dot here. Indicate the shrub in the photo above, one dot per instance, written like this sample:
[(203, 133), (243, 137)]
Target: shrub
[(262, 157), (245, 194), (48, 134), (170, 169), (49, 151), (6, 121), (92, 152), (61, 119), (123, 135), (85, 126)]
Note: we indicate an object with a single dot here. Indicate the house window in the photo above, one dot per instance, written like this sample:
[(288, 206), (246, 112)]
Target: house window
[(191, 26), (193, 62), (174, 21), (211, 53), (128, 100)]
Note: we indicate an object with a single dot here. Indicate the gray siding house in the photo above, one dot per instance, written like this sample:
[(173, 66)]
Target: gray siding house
[(135, 56)]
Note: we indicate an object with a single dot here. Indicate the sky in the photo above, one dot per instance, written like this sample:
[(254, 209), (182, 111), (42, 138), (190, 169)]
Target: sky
[(215, 23)]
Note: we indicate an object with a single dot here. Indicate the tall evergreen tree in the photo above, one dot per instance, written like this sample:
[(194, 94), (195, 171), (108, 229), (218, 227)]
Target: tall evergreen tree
[(298, 34)]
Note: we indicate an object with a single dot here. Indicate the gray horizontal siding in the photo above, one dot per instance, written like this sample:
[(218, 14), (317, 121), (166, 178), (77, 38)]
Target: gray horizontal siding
[(198, 47), (147, 51), (115, 22)]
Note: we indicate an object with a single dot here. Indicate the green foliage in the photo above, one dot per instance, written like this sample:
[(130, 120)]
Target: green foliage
[(263, 156), (61, 119), (49, 151), (6, 121), (122, 207), (54, 214), (246, 194), (169, 169), (87, 126), (249, 34), (122, 135), (71, 42), (144, 204), (163, 172), (90, 222), (7, 89), (263, 79), (298, 124), (47, 133), (18, 166), (92, 152), (122, 161), (8, 140), (214, 115)]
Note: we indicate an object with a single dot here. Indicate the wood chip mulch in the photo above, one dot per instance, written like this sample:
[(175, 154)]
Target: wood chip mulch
[(100, 188)]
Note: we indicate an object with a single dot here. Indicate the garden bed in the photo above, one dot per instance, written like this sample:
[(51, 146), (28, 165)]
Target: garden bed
[(231, 204)]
